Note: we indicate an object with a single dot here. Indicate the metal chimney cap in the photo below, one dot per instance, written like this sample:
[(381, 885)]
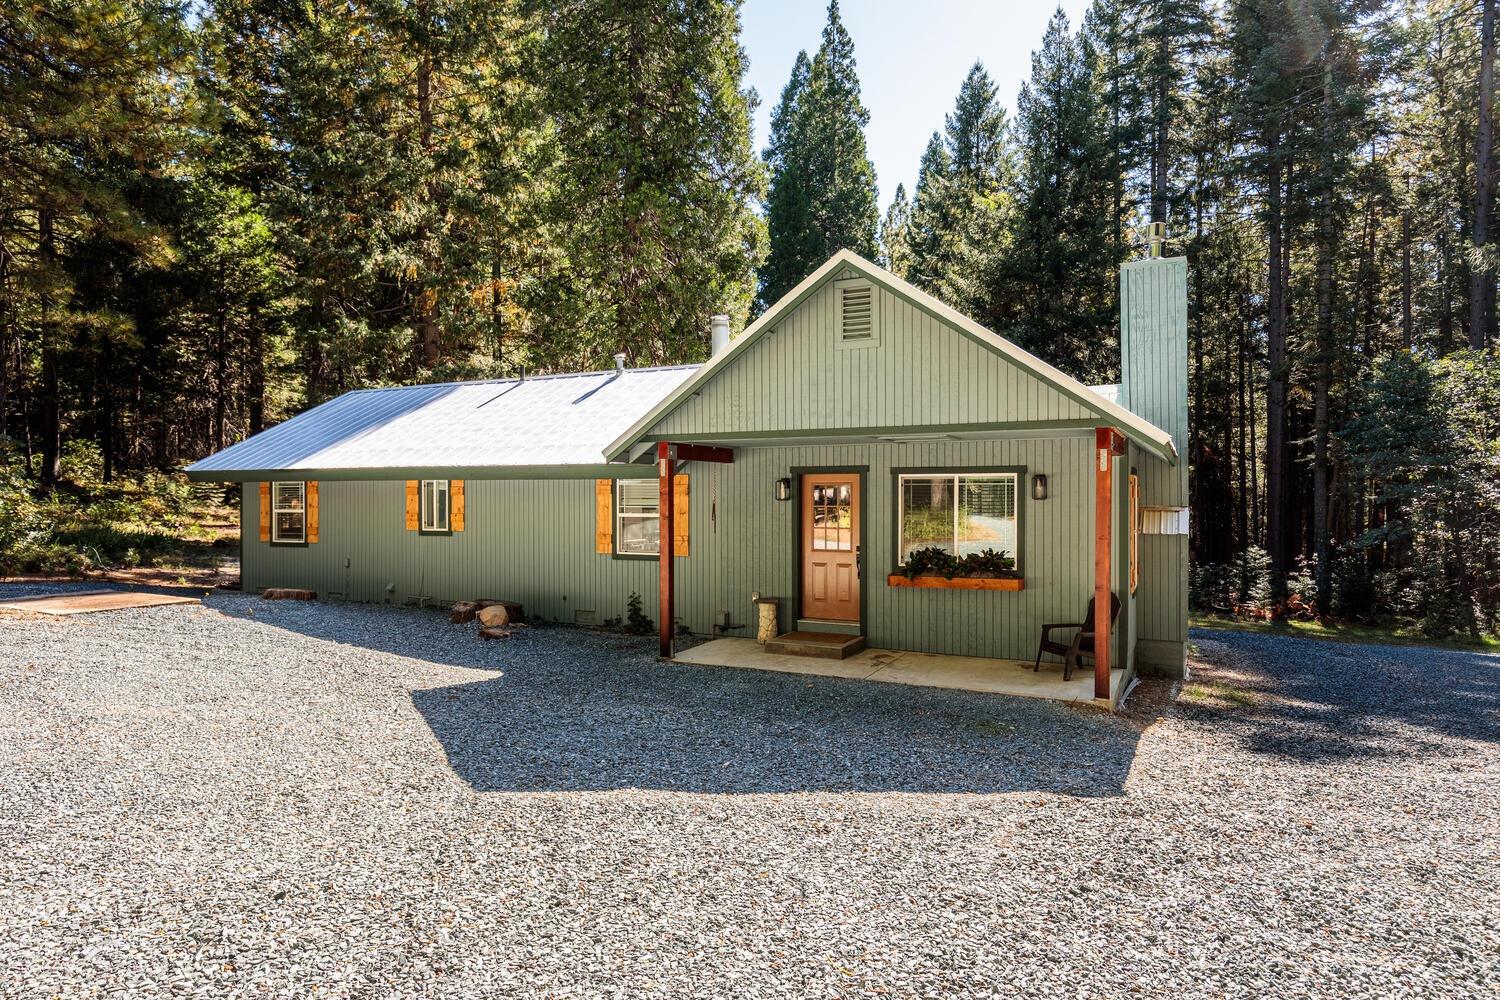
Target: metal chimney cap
[(620, 362), (718, 333)]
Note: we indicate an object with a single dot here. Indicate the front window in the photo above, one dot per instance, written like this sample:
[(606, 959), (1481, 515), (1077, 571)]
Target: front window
[(434, 505), (289, 512), (961, 514), (637, 517)]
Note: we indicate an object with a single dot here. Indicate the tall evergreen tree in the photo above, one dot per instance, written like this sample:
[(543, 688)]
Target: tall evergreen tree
[(652, 206), (963, 194), (1056, 283), (831, 204), (895, 237)]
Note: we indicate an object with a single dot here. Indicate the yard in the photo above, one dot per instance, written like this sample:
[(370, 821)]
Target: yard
[(279, 799)]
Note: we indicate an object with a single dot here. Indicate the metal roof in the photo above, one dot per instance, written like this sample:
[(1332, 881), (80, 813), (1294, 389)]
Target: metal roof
[(539, 422)]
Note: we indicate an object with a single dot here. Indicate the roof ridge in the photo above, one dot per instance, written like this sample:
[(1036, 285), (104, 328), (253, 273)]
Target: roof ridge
[(514, 380)]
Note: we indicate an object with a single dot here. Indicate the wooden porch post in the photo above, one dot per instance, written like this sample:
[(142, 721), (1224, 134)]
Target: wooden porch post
[(665, 462), (1104, 449)]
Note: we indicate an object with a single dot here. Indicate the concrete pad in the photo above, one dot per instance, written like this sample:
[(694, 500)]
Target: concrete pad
[(81, 602), (894, 666)]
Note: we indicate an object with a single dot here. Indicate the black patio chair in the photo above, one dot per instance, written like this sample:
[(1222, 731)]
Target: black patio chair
[(1083, 641)]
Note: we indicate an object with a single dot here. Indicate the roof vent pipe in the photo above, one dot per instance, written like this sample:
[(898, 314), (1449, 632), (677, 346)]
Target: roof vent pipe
[(718, 327), (619, 364)]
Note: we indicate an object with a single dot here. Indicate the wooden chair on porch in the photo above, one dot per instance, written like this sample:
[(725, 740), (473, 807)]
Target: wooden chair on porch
[(1083, 641)]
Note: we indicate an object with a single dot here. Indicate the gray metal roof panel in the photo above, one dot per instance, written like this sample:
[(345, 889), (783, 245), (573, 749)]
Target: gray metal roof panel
[(544, 420)]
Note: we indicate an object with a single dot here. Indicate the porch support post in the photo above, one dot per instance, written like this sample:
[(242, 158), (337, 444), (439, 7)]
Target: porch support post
[(666, 463), (1104, 449)]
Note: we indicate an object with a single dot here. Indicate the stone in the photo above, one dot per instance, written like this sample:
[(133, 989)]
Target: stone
[(494, 616), (512, 607), (494, 633), (464, 612)]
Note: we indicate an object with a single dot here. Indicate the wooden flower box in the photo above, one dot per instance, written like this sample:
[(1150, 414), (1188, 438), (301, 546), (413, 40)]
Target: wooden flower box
[(957, 583)]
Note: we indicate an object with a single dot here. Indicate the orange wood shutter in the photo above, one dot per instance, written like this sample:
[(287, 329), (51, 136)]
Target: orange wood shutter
[(312, 512), (265, 512), (680, 514), (413, 504), (456, 503), (604, 516)]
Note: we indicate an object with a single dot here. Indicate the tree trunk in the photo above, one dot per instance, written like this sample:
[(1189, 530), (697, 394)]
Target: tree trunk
[(51, 405), (428, 332), (1406, 279), (1324, 352), (256, 404), (1276, 362), (1481, 279)]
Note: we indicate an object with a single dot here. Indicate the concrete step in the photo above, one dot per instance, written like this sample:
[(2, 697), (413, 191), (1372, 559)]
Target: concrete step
[(827, 625), (825, 645)]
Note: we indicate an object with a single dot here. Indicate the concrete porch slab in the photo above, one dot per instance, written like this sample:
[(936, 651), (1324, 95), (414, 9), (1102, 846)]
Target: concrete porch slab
[(895, 666)]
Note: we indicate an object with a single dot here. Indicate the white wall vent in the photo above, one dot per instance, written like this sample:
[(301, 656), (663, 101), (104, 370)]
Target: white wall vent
[(1164, 520), (857, 313)]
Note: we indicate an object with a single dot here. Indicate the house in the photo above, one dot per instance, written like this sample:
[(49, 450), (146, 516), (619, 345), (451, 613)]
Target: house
[(857, 421)]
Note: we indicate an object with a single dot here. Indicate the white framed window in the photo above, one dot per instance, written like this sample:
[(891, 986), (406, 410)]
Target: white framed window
[(289, 513), (435, 504), (961, 513), (637, 517)]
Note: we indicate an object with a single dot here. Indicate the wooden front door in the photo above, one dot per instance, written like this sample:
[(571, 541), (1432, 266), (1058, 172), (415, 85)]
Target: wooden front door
[(830, 546)]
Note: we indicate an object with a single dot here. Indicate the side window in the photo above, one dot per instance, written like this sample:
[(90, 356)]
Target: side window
[(289, 512), (435, 504), (637, 517)]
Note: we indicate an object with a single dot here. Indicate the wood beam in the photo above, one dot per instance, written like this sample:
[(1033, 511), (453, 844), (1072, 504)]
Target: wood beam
[(665, 467), (1105, 449), (702, 453)]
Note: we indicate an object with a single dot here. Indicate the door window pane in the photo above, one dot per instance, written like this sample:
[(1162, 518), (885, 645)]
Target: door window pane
[(832, 517)]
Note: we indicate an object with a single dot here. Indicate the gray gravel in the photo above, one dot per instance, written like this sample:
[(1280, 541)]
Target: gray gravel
[(258, 798)]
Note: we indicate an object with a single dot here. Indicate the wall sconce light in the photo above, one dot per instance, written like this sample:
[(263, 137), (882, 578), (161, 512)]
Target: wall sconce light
[(1038, 487), (783, 489)]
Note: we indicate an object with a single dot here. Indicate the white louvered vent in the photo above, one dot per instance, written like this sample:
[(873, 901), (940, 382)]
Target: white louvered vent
[(858, 316), (1164, 520)]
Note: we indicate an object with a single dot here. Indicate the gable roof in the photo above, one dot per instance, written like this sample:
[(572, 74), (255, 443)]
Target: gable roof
[(1106, 407), (544, 422)]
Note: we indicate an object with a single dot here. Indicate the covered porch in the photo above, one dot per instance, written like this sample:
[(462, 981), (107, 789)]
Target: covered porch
[(895, 666)]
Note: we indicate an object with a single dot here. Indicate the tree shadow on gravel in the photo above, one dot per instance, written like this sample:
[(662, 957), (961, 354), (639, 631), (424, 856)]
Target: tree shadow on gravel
[(1314, 701), (576, 709)]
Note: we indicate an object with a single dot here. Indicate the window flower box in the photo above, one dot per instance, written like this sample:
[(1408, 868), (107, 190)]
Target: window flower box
[(934, 582)]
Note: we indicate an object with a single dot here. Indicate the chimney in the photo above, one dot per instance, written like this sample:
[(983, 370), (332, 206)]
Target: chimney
[(1154, 385), (718, 339), (619, 364)]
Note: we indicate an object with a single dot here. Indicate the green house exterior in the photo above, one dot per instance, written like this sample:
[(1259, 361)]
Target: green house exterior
[(917, 388)]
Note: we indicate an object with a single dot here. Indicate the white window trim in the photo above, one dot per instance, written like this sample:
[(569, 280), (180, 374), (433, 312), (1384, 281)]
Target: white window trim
[(620, 517), (424, 508), (276, 509), (955, 477)]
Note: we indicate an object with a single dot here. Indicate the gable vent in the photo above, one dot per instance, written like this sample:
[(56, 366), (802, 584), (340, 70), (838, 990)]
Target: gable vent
[(858, 322)]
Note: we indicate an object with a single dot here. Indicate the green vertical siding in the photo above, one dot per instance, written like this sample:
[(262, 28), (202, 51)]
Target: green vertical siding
[(923, 373), (534, 542)]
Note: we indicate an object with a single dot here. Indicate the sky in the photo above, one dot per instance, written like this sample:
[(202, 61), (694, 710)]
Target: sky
[(911, 57)]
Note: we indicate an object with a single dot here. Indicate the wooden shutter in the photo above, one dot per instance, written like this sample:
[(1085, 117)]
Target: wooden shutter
[(413, 504), (680, 514), (312, 512), (456, 505), (265, 512), (604, 516)]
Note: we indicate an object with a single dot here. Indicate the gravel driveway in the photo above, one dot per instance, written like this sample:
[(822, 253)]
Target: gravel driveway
[(254, 799)]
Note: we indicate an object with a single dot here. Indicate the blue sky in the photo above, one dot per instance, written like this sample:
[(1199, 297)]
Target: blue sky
[(912, 56)]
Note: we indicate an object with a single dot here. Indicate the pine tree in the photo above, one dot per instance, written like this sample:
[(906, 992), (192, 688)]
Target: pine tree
[(821, 151), (962, 199), (895, 244), (1056, 283), (655, 178)]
